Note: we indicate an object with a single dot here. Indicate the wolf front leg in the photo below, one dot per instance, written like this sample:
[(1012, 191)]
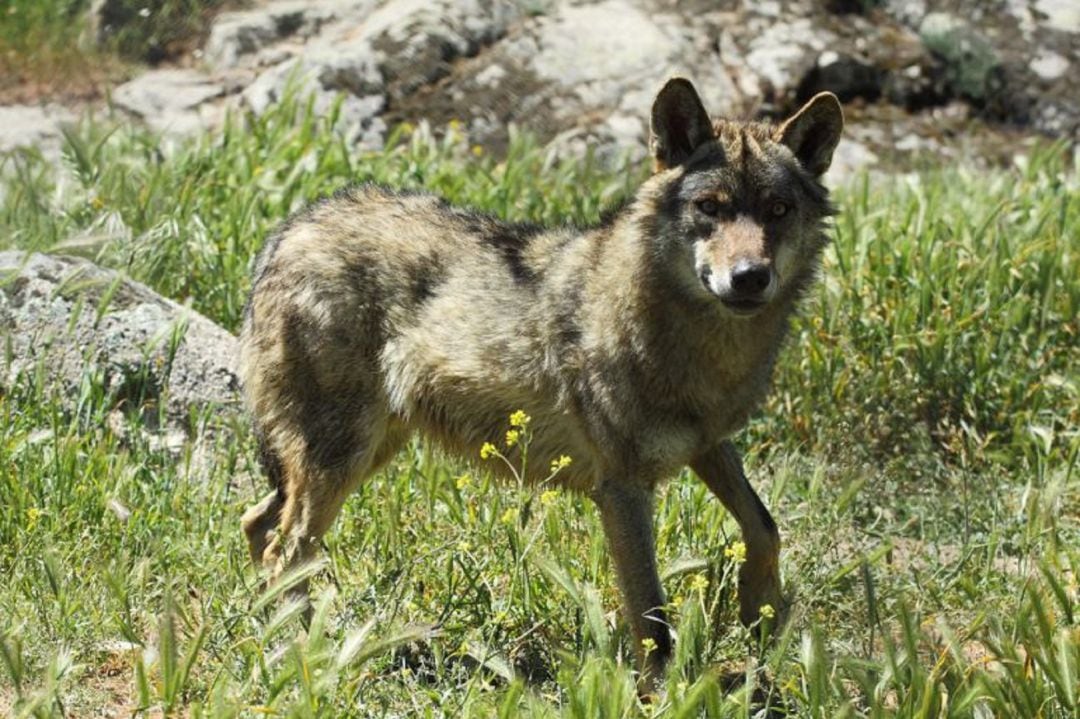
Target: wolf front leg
[(759, 576), (626, 513)]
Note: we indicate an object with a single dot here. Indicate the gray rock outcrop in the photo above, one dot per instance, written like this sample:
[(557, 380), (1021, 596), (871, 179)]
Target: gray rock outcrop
[(581, 73), (67, 320), (243, 33)]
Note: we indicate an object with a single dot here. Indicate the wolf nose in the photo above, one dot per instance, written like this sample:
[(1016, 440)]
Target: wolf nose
[(750, 278)]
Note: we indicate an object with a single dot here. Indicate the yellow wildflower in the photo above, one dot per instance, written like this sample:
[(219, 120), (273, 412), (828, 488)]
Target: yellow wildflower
[(699, 583), (767, 611), (464, 480), (33, 514), (561, 463), (737, 552), (477, 151), (548, 496), (512, 437), (487, 450), (648, 644), (510, 515), (519, 419)]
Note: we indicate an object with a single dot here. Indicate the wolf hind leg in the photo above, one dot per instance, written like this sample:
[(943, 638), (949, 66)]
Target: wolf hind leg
[(314, 496), (313, 501), (260, 523)]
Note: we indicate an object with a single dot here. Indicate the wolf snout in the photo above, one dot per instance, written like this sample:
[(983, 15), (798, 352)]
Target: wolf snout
[(750, 286), (750, 279)]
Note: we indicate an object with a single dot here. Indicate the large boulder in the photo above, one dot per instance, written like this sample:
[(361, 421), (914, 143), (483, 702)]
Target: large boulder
[(67, 320)]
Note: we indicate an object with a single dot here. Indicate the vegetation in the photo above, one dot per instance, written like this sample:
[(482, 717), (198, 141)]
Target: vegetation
[(919, 453), (52, 47)]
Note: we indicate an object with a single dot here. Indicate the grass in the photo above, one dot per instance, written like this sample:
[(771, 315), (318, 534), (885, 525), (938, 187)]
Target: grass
[(41, 53), (919, 452), (49, 48)]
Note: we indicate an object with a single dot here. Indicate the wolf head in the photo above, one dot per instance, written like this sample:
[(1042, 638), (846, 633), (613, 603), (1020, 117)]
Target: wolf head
[(740, 205)]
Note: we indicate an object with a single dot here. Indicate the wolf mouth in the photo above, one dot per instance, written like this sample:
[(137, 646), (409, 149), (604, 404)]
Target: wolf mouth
[(744, 306)]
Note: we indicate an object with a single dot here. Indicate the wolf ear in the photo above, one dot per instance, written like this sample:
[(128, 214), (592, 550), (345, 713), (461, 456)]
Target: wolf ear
[(679, 124), (813, 132)]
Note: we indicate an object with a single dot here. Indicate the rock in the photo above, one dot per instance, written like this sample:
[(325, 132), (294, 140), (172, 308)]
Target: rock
[(909, 12), (573, 54), (74, 320), (1023, 17), (1049, 66), (236, 34), (912, 143), (325, 70), (589, 73), (346, 74), (783, 54), (1057, 118), (32, 126), (582, 73), (569, 83), (420, 39), (171, 100), (376, 58), (850, 159), (1060, 15)]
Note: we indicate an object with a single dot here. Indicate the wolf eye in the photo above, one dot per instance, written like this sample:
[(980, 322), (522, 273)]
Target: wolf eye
[(779, 209), (709, 206)]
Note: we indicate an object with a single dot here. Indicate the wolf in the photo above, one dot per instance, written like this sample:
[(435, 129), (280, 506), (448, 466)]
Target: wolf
[(637, 346)]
